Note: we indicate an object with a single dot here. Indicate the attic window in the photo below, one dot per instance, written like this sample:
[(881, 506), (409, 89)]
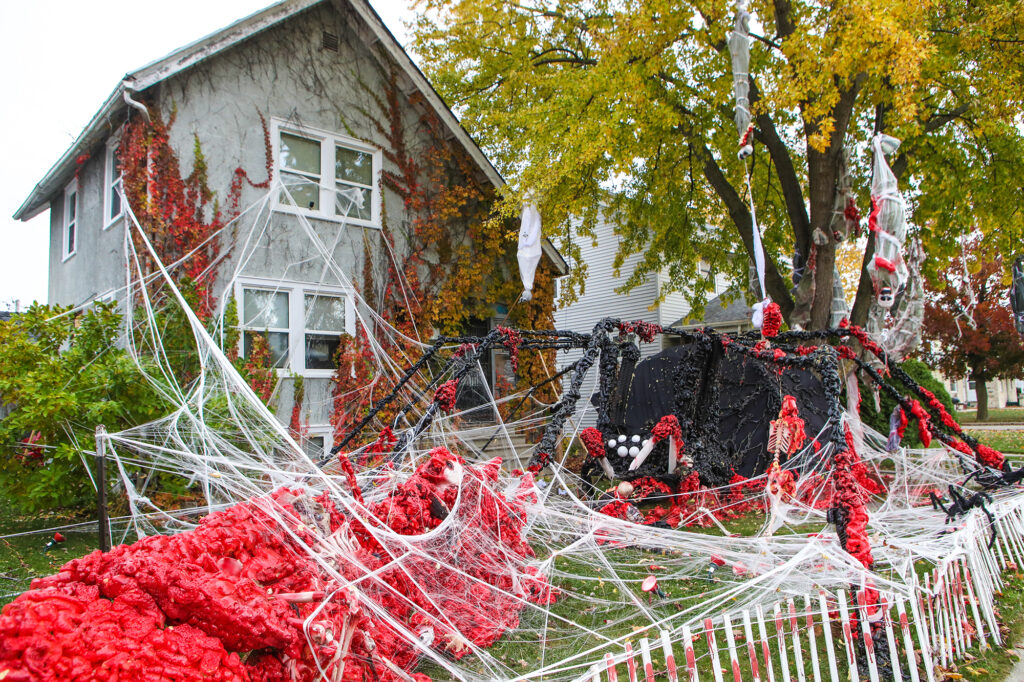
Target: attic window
[(329, 41)]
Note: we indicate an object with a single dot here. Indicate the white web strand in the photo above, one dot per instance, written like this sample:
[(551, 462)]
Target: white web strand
[(224, 441)]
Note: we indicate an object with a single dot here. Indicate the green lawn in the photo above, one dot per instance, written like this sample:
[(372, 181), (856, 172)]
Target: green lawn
[(23, 540), (1004, 441), (594, 602), (1006, 414)]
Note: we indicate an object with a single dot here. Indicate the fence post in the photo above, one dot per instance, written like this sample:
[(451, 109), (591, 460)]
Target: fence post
[(101, 488)]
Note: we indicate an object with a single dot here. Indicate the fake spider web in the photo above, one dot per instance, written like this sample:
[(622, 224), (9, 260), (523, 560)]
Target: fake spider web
[(417, 555)]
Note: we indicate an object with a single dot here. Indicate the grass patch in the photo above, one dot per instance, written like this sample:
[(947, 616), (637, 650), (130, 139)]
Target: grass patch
[(23, 540), (1004, 441), (1010, 415), (997, 664)]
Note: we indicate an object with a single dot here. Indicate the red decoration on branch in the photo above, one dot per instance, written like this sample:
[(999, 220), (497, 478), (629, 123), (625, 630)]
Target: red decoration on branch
[(511, 339), (772, 320), (645, 331)]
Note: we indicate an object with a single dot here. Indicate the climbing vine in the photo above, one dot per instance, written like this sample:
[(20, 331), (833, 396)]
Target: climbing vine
[(182, 218), (453, 258)]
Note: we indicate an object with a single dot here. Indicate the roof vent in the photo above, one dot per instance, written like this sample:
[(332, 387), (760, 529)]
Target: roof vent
[(329, 41)]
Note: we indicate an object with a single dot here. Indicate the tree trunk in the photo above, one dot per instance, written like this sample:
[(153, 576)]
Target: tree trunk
[(981, 391)]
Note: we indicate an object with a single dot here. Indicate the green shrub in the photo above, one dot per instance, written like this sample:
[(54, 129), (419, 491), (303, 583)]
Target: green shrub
[(879, 421)]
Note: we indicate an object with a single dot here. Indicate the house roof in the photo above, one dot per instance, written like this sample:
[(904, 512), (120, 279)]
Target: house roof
[(717, 313), (194, 53)]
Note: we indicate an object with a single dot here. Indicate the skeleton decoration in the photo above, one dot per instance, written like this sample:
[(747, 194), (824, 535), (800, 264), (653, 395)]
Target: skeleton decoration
[(887, 268), (904, 336), (786, 434), (739, 49), (785, 437), (1017, 294), (845, 214)]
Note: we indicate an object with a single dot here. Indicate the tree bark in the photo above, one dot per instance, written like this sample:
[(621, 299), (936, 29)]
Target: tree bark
[(981, 392)]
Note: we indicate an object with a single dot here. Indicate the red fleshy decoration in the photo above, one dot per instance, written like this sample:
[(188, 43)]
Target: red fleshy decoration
[(849, 479), (902, 428), (464, 349), (445, 395), (185, 607), (645, 331), (593, 441), (846, 352), (851, 212), (990, 457), (511, 339), (772, 320), (862, 336), (876, 207), (667, 426)]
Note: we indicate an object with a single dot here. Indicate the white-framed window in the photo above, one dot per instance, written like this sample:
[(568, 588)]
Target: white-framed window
[(318, 441), (69, 240), (301, 321), (326, 175), (112, 209)]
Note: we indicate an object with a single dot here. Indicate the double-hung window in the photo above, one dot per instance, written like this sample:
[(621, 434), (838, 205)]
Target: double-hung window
[(302, 323), (69, 240), (111, 184), (265, 312), (327, 175)]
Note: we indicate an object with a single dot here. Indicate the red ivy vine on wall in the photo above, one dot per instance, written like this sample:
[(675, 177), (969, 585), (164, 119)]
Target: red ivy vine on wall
[(179, 213)]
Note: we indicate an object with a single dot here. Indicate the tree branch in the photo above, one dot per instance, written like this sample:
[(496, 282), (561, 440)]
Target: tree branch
[(742, 219), (792, 191)]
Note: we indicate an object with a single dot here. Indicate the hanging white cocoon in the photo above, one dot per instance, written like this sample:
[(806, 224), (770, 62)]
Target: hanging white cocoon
[(529, 247)]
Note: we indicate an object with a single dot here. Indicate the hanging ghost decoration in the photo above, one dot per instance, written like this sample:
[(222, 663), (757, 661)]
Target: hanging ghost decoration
[(529, 247), (739, 50), (887, 221)]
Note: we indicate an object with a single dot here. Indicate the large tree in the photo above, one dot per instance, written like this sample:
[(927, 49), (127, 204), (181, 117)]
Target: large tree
[(968, 326), (628, 104)]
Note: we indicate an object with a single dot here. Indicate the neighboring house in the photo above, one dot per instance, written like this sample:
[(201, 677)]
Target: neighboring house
[(1001, 392), (311, 69), (601, 300)]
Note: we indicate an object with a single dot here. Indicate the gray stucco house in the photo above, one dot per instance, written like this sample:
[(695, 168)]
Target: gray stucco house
[(307, 71)]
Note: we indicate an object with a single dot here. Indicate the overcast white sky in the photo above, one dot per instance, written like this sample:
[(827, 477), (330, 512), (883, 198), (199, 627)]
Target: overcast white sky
[(61, 59)]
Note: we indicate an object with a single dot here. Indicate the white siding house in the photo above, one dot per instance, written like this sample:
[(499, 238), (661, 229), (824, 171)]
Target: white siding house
[(601, 299)]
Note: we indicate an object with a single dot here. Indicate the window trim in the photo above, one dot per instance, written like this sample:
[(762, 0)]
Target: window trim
[(71, 189), (328, 141), (297, 292), (326, 431), (111, 149)]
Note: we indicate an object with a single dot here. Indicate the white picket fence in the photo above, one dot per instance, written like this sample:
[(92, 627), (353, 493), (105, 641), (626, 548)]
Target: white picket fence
[(950, 611)]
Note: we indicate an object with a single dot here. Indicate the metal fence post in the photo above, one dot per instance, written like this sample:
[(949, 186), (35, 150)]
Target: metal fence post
[(101, 487)]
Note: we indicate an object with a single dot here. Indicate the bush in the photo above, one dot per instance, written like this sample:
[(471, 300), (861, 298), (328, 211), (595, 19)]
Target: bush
[(61, 375), (879, 421)]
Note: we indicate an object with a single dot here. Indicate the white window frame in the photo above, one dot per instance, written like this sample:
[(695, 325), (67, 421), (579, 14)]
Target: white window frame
[(324, 431), (297, 292), (70, 190), (328, 141), (109, 183)]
